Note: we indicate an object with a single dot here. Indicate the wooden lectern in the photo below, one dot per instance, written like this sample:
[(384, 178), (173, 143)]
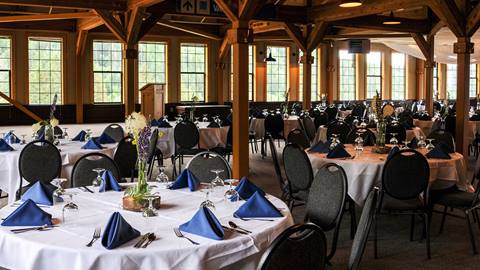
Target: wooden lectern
[(153, 100)]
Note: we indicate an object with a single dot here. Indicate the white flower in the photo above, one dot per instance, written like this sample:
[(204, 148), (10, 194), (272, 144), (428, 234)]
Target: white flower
[(54, 122), (36, 127), (135, 122)]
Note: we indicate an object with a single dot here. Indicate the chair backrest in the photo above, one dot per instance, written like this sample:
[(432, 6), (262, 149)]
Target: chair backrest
[(126, 157), (405, 175), (450, 122), (302, 246), (321, 119), (309, 127), (297, 136), (359, 110), (115, 131), (332, 113), (152, 147), (363, 229), (202, 163), (298, 168), (436, 125), (400, 130), (276, 164), (338, 127), (445, 137), (186, 135), (274, 124), (327, 196), (83, 174), (39, 161), (367, 135)]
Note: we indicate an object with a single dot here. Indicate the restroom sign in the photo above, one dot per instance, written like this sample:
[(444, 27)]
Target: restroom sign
[(186, 6)]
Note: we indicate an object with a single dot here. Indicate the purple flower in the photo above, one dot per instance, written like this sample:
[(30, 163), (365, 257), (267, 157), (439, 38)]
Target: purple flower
[(143, 143)]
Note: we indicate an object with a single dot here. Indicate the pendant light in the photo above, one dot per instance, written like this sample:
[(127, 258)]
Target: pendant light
[(270, 58), (350, 3), (391, 20)]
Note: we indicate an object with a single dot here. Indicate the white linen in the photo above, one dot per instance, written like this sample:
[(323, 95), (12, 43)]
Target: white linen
[(321, 134), (365, 171), (471, 129), (70, 152), (64, 247), (258, 126)]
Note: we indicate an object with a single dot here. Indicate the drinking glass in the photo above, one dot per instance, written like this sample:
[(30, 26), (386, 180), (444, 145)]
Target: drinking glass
[(218, 121), (66, 137), (150, 211), (97, 181), (69, 210), (394, 139), (430, 145), (59, 192), (205, 118), (196, 120), (56, 140), (334, 141), (207, 189), (421, 142), (405, 144), (12, 137), (359, 143), (162, 178), (88, 134), (231, 195), (217, 181), (24, 140)]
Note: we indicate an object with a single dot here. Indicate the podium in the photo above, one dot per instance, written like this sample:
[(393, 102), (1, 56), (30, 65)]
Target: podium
[(152, 96)]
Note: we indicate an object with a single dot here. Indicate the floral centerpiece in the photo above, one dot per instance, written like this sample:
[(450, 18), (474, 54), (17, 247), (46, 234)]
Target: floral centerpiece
[(192, 110), (141, 131), (285, 104), (380, 114), (47, 124)]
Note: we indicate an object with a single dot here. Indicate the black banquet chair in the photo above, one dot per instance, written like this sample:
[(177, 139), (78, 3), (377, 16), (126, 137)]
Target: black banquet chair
[(38, 161), (367, 135), (302, 246), (83, 174), (332, 112), (445, 137), (274, 126), (309, 127), (398, 129), (202, 164), (114, 131), (126, 157), (321, 120), (283, 185), (154, 153), (338, 127), (299, 172), (298, 137), (186, 137)]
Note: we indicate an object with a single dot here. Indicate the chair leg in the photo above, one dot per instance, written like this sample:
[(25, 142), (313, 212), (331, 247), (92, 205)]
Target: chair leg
[(442, 223), (474, 211), (174, 169), (375, 237), (353, 219), (470, 230), (412, 227), (427, 234)]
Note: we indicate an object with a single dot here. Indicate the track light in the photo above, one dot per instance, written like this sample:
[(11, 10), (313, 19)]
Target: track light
[(350, 3)]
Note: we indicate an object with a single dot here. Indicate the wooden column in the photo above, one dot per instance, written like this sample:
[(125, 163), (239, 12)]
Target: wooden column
[(429, 65), (307, 61), (219, 72), (240, 39), (330, 74), (130, 55), (463, 48), (78, 90)]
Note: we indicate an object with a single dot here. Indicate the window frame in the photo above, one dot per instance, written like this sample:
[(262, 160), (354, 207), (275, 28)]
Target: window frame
[(167, 45), (12, 92), (450, 77), (475, 79), (205, 73), (380, 76), (355, 65), (315, 82), (405, 56), (435, 81), (287, 70)]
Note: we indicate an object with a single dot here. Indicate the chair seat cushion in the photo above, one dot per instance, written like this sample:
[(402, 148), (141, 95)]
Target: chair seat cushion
[(390, 203), (457, 199)]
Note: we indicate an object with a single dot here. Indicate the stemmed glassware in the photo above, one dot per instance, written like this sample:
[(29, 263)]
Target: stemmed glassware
[(97, 181), (394, 139), (421, 142), (231, 195), (207, 189), (88, 134), (335, 141), (359, 143), (205, 118), (59, 192), (24, 140), (217, 120), (11, 138), (217, 181), (150, 211), (70, 209), (430, 145), (162, 178), (66, 137), (56, 140), (405, 144), (196, 121)]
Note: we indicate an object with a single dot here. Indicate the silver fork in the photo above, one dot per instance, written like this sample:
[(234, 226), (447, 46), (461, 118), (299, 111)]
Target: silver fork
[(180, 235), (96, 235)]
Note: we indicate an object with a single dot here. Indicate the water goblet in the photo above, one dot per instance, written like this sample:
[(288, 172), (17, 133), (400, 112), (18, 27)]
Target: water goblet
[(70, 209), (66, 137), (421, 142), (334, 142), (97, 181), (24, 140), (217, 181), (162, 178), (359, 143), (59, 192), (56, 139), (231, 195), (207, 189), (150, 211), (405, 144), (394, 139), (205, 118), (430, 145), (196, 120), (88, 134)]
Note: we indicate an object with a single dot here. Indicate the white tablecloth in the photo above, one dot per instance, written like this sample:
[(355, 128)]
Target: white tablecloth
[(70, 152), (411, 133), (64, 247), (365, 171), (258, 125), (471, 129), (209, 138)]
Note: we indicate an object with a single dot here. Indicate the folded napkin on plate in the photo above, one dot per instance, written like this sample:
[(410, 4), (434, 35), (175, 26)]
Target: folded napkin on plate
[(109, 182), (246, 189), (92, 144), (186, 179), (80, 136), (154, 123), (4, 146), (28, 214), (438, 152), (338, 152), (213, 125), (320, 147), (204, 223), (118, 232), (11, 137), (40, 193), (257, 207), (164, 124), (413, 144), (392, 152), (104, 138)]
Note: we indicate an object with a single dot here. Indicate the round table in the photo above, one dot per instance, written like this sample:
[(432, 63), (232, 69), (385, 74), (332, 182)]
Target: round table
[(411, 133), (258, 126), (64, 246), (209, 138), (426, 125), (70, 152), (365, 171)]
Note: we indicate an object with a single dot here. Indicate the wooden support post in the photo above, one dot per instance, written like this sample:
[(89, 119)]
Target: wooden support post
[(429, 66), (463, 48), (330, 74), (220, 69), (240, 39), (307, 61), (81, 40), (130, 55)]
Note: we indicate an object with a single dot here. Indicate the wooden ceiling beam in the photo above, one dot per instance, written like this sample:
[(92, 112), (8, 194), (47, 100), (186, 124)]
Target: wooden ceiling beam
[(223, 49), (263, 27), (436, 27), (112, 24), (375, 22), (188, 29), (119, 5), (473, 20), (422, 44), (46, 17), (296, 35), (449, 13), (317, 35), (134, 26), (248, 9), (229, 11), (81, 41), (132, 4), (88, 24)]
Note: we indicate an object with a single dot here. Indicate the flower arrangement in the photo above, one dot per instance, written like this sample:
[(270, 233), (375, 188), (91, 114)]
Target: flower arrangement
[(285, 105), (49, 123), (192, 110)]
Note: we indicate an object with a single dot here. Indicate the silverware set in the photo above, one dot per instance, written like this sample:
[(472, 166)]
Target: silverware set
[(95, 237), (179, 234), (38, 228), (145, 240), (86, 189)]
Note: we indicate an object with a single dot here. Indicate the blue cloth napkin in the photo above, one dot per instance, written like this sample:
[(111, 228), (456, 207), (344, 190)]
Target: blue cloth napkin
[(164, 124), (186, 179), (320, 147), (92, 144), (109, 182), (80, 136), (154, 123), (438, 152), (28, 214), (338, 152), (39, 193), (4, 146), (257, 207), (413, 143), (392, 152), (204, 223), (118, 232), (9, 137), (246, 189), (104, 138), (213, 125)]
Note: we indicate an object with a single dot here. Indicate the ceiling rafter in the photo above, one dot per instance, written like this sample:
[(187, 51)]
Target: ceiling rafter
[(473, 20), (449, 13), (119, 5), (188, 29), (113, 24), (46, 17)]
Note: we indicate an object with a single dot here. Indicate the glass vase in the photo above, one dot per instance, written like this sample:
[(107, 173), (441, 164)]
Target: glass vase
[(49, 133), (381, 130), (142, 173)]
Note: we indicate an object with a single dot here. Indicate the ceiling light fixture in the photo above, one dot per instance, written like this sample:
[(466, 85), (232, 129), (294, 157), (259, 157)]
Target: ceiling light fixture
[(391, 20), (350, 3)]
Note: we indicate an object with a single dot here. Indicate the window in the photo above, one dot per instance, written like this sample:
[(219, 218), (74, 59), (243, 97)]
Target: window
[(5, 66), (398, 76), (435, 82), (151, 63), (277, 74), (374, 74), (473, 80), (452, 81), (44, 70), (107, 71), (193, 59), (314, 89), (251, 72), (346, 82)]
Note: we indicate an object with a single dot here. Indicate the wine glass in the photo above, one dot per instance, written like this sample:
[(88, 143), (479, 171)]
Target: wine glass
[(405, 144), (162, 178), (205, 118), (24, 140), (217, 181), (430, 145), (334, 141), (66, 137), (359, 143), (207, 189), (150, 211), (421, 142), (394, 139), (97, 181), (88, 134), (59, 192), (70, 209), (231, 195), (196, 120)]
